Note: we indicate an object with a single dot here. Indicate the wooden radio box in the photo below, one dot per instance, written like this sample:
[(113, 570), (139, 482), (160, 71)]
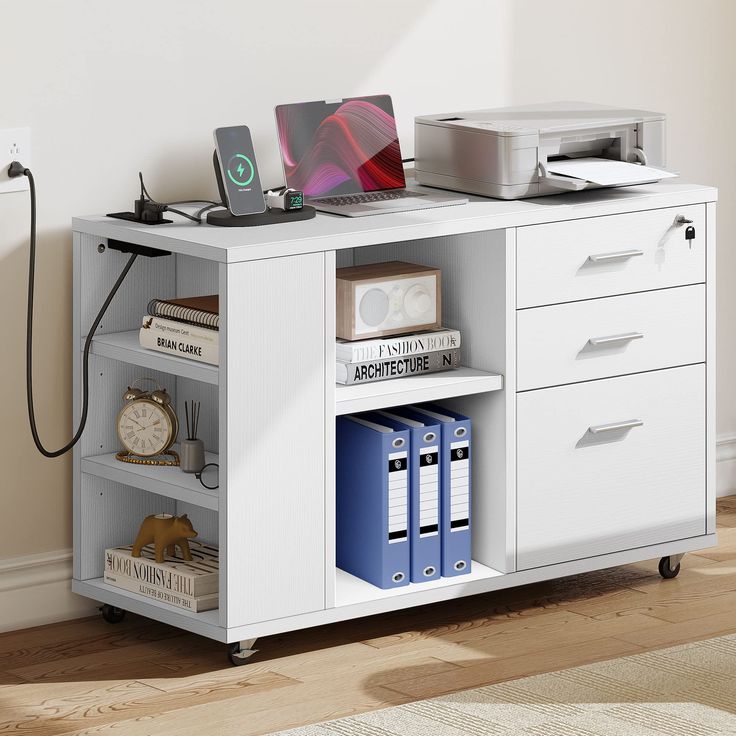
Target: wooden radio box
[(382, 299)]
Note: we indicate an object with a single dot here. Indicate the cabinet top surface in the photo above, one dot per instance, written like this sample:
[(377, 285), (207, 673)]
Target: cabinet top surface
[(332, 232)]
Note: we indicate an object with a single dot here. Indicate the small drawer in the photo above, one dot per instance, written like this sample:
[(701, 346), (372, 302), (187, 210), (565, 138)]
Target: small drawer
[(610, 465), (605, 256), (599, 338)]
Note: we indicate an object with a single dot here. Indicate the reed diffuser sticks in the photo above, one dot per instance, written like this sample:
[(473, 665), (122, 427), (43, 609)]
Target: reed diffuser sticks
[(191, 410)]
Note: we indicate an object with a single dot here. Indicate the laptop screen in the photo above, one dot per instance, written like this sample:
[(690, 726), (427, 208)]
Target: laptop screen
[(342, 147)]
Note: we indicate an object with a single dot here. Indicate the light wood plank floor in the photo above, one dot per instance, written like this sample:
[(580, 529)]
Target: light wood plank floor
[(139, 678)]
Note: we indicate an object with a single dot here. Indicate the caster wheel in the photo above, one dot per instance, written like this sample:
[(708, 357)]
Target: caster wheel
[(238, 656), (666, 571), (112, 614)]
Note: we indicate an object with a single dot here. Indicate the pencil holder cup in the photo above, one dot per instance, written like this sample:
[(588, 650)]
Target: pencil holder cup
[(191, 456)]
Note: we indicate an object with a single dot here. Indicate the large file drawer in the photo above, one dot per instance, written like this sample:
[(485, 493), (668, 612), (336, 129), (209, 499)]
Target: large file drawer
[(580, 341), (586, 488), (604, 256)]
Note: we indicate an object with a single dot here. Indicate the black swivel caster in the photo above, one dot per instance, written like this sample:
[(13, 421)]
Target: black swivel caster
[(240, 655), (112, 614), (666, 571)]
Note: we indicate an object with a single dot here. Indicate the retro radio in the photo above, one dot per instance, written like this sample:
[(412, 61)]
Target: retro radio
[(391, 298)]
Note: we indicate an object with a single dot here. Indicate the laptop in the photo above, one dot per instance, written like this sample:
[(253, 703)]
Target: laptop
[(345, 156)]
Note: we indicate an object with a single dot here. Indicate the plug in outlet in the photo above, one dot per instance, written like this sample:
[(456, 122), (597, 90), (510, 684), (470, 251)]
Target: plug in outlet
[(15, 145)]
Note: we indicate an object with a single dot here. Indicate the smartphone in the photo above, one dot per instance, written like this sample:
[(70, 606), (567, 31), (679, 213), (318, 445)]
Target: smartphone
[(239, 171)]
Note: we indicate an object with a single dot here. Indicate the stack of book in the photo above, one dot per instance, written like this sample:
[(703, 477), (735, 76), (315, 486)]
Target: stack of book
[(186, 327), (364, 361), (192, 585)]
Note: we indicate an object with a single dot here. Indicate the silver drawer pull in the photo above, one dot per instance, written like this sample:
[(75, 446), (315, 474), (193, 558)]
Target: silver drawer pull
[(619, 255), (614, 426), (612, 339)]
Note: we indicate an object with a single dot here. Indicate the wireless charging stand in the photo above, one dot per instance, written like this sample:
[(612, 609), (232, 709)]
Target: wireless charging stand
[(225, 218)]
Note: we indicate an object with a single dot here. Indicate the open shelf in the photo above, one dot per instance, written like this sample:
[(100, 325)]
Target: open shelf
[(164, 480), (126, 347), (350, 590), (414, 389)]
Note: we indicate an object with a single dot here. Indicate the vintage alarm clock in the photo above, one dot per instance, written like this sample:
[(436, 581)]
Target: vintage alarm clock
[(147, 426)]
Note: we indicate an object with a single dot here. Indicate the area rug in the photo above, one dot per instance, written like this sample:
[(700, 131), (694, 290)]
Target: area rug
[(688, 690)]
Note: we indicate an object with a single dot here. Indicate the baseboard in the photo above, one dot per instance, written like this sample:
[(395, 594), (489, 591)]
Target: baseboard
[(36, 590), (726, 465)]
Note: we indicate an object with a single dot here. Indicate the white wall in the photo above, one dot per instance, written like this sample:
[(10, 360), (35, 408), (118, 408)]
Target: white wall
[(106, 98)]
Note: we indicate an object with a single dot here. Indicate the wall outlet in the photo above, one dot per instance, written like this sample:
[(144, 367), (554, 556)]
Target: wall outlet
[(15, 145)]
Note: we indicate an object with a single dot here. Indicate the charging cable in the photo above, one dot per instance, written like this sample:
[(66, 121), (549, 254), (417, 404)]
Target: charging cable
[(14, 170)]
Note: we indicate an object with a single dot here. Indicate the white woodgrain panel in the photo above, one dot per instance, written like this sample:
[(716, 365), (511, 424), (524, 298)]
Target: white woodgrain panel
[(582, 494), (275, 475), (710, 373), (77, 287), (111, 514), (478, 298), (553, 262), (196, 276), (148, 278), (108, 380), (330, 394), (554, 342)]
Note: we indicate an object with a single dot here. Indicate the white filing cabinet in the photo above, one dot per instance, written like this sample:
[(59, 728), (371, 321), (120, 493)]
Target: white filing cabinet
[(588, 371)]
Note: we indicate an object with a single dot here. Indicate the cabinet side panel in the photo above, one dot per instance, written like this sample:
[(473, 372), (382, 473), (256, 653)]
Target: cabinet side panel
[(275, 427), (76, 400), (710, 367)]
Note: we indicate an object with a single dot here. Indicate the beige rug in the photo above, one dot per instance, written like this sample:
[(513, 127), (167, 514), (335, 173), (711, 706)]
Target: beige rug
[(688, 690)]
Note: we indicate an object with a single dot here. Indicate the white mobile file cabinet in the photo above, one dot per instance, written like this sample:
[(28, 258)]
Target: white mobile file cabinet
[(589, 374)]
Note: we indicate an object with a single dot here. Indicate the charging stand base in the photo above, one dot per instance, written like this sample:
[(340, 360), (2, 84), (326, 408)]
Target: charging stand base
[(223, 218)]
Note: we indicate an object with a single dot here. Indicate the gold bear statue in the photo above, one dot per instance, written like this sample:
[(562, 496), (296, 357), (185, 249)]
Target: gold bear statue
[(166, 532)]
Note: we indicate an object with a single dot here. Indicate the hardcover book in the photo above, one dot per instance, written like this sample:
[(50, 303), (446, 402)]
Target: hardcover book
[(195, 579), (427, 341), (196, 604), (182, 345), (173, 328), (410, 365)]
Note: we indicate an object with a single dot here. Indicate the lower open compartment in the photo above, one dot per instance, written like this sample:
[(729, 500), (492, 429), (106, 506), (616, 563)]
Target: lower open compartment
[(110, 517)]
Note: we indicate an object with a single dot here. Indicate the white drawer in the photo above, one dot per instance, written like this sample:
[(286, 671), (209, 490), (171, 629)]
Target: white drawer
[(580, 341), (584, 492), (632, 252)]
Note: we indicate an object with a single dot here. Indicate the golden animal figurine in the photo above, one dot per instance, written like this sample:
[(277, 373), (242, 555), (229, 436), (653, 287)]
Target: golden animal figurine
[(166, 532)]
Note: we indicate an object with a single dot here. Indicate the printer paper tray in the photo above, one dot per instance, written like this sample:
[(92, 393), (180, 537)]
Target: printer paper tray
[(580, 173)]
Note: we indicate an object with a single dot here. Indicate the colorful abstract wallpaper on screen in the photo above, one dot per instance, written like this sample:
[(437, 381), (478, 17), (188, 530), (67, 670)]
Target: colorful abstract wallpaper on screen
[(340, 148)]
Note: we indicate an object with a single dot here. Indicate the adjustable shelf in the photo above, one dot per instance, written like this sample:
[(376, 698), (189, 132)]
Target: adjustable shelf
[(125, 346), (414, 389), (350, 590), (161, 479)]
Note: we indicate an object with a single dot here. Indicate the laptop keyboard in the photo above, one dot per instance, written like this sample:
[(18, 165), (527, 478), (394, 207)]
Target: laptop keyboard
[(366, 197)]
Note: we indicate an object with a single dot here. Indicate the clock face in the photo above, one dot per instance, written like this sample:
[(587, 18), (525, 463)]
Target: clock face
[(144, 428)]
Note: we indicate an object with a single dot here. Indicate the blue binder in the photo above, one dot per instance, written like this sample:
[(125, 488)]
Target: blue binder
[(425, 540), (456, 488), (372, 503)]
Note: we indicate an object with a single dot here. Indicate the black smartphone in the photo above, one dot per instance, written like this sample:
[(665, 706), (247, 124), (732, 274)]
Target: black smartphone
[(238, 170)]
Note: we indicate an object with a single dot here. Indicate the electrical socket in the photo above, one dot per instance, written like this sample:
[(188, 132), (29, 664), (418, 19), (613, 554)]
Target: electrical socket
[(15, 145)]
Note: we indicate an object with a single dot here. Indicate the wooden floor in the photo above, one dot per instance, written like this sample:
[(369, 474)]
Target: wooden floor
[(139, 678)]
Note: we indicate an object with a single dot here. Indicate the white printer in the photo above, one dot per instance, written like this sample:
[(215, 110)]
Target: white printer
[(535, 150)]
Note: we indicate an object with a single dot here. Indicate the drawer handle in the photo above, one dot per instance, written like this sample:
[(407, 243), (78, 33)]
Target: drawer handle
[(619, 255), (612, 339), (616, 426)]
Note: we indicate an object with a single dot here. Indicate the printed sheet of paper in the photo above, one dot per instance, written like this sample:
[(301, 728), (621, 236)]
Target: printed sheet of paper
[(607, 172)]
